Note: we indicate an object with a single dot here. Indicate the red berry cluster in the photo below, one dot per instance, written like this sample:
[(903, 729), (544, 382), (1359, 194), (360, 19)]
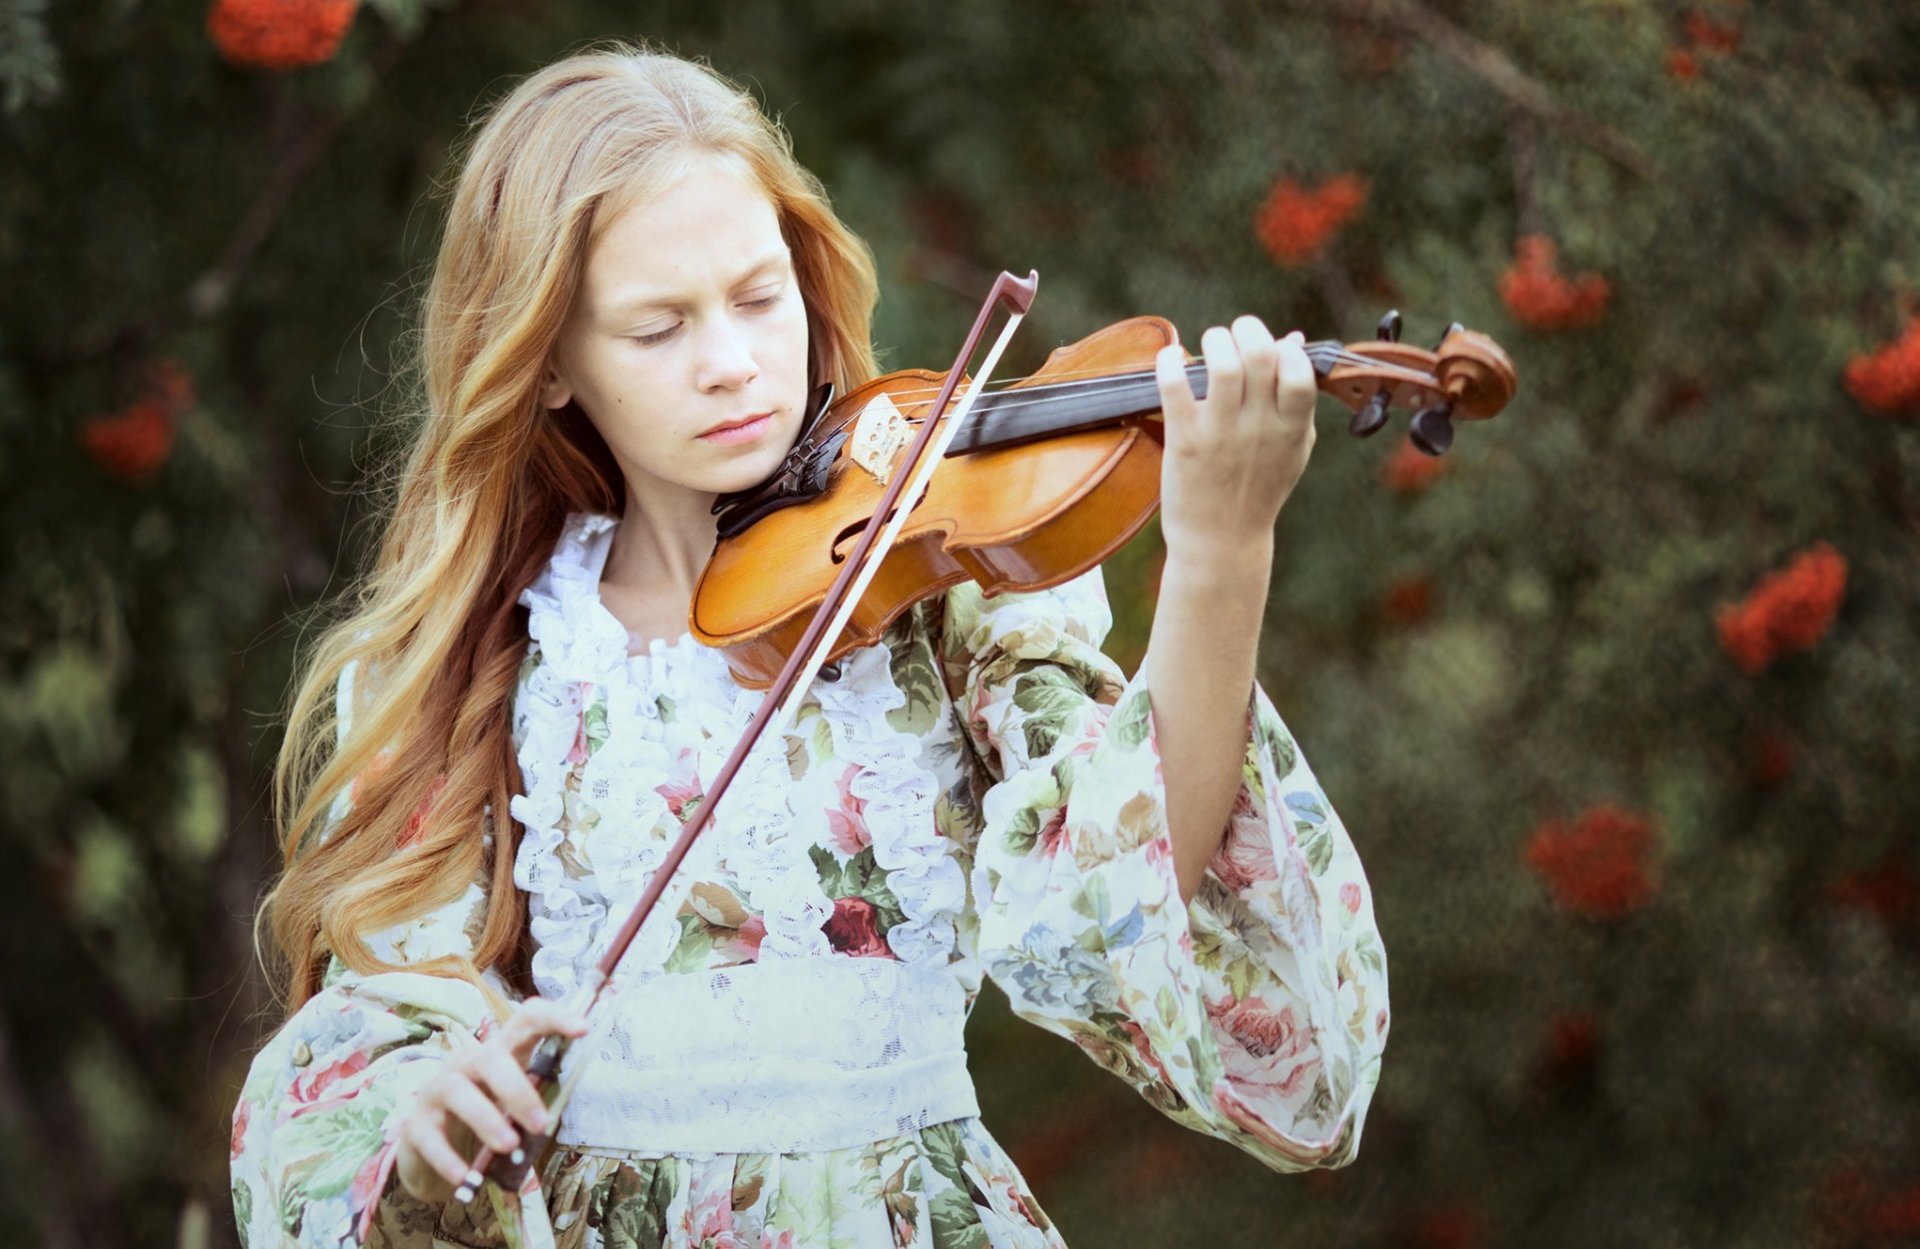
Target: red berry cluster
[(132, 443), (1887, 383), (1887, 889), (1294, 223), (1597, 865), (1704, 34), (1409, 470), (279, 34), (1408, 600), (1790, 610), (1541, 297)]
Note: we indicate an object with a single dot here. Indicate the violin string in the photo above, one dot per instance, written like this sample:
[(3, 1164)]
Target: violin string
[(1055, 388), (1061, 381), (1005, 408)]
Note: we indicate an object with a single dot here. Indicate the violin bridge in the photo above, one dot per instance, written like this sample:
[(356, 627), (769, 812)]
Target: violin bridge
[(880, 434)]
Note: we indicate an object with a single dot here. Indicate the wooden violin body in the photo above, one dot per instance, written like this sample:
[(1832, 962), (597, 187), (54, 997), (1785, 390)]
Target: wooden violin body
[(1048, 477), (1011, 518)]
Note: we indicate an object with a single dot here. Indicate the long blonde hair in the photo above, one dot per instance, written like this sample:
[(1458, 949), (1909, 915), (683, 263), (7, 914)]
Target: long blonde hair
[(434, 632)]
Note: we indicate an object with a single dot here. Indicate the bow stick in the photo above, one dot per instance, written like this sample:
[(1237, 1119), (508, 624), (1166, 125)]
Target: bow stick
[(785, 695)]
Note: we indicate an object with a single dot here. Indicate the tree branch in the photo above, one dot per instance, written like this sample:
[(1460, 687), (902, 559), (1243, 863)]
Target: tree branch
[(209, 294), (1493, 67)]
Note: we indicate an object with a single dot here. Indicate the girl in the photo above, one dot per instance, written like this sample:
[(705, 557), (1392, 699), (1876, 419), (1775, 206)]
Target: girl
[(636, 290)]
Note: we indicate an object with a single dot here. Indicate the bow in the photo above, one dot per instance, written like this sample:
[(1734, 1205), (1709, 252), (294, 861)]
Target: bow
[(782, 703)]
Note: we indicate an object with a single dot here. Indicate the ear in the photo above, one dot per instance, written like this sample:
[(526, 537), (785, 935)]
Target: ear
[(554, 393)]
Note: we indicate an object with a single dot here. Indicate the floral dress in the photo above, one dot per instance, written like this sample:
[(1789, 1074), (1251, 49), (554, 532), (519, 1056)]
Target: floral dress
[(779, 1060)]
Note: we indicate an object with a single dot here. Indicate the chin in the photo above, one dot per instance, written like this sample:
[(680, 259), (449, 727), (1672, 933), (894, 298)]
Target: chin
[(750, 471)]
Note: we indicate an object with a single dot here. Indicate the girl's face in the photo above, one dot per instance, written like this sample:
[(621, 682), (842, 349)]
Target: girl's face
[(689, 320)]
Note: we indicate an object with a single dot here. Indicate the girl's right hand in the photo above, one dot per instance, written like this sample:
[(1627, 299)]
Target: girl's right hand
[(480, 1093)]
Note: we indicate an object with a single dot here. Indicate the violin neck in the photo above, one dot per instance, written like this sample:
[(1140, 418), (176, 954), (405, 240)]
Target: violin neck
[(1004, 418)]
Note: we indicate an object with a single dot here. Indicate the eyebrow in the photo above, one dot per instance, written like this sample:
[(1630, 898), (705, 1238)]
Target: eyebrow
[(634, 301)]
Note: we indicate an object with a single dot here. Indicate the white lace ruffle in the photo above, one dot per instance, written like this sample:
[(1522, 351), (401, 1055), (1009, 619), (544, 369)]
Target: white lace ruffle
[(598, 822), (899, 793)]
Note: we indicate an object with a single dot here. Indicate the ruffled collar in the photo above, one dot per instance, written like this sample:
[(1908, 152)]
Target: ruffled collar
[(576, 630)]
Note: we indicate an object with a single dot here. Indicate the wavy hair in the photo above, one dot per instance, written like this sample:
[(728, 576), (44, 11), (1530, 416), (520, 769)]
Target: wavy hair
[(387, 820)]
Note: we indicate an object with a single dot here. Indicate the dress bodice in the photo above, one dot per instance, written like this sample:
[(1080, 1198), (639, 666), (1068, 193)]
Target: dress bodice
[(827, 844)]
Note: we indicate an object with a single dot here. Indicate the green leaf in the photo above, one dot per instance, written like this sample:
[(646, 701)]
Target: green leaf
[(1371, 956), (1277, 744), (333, 1144), (1132, 720), (913, 672), (832, 876), (1023, 830), (1051, 699), (242, 1206), (597, 723), (695, 946)]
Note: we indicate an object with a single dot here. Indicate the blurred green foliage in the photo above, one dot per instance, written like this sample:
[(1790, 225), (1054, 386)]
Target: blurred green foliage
[(1735, 1064)]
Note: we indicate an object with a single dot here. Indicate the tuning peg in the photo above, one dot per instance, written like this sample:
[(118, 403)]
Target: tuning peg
[(1453, 327), (1371, 415), (1432, 429), (1388, 331)]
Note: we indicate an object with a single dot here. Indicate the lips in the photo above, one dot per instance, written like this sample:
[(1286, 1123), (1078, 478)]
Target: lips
[(742, 430), (742, 423)]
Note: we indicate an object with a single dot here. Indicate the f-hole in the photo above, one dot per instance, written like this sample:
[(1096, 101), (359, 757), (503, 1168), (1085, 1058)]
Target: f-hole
[(843, 540)]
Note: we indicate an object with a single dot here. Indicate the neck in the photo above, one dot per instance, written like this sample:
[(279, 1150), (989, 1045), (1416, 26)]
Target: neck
[(663, 542)]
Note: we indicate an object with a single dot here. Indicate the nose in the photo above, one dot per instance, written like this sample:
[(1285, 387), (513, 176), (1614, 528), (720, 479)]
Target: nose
[(726, 358)]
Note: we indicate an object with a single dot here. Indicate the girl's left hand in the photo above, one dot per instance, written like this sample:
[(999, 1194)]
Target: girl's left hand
[(1233, 458)]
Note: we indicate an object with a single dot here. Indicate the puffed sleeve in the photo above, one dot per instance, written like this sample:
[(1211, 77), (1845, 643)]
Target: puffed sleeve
[(1258, 1012), (314, 1141)]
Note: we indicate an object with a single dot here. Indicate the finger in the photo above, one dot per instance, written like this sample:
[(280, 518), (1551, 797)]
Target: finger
[(535, 1019), (463, 1099), (1297, 382), (1176, 394), (512, 1091), (435, 1151), (1259, 358), (1226, 379)]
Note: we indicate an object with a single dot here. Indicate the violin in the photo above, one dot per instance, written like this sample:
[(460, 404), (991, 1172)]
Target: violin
[(1048, 476)]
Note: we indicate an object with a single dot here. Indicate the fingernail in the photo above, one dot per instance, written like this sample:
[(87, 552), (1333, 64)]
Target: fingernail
[(542, 1121)]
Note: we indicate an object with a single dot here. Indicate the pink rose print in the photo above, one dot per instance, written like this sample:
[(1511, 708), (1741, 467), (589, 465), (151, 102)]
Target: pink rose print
[(1245, 856), (848, 825), (1350, 897), (1144, 1048), (851, 930), (579, 752), (1054, 836), (744, 945), (1270, 1049), (311, 1092), (709, 1222), (682, 787), (371, 1178), (240, 1117)]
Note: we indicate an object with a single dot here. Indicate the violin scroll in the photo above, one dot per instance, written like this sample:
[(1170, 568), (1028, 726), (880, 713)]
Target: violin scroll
[(1466, 375)]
